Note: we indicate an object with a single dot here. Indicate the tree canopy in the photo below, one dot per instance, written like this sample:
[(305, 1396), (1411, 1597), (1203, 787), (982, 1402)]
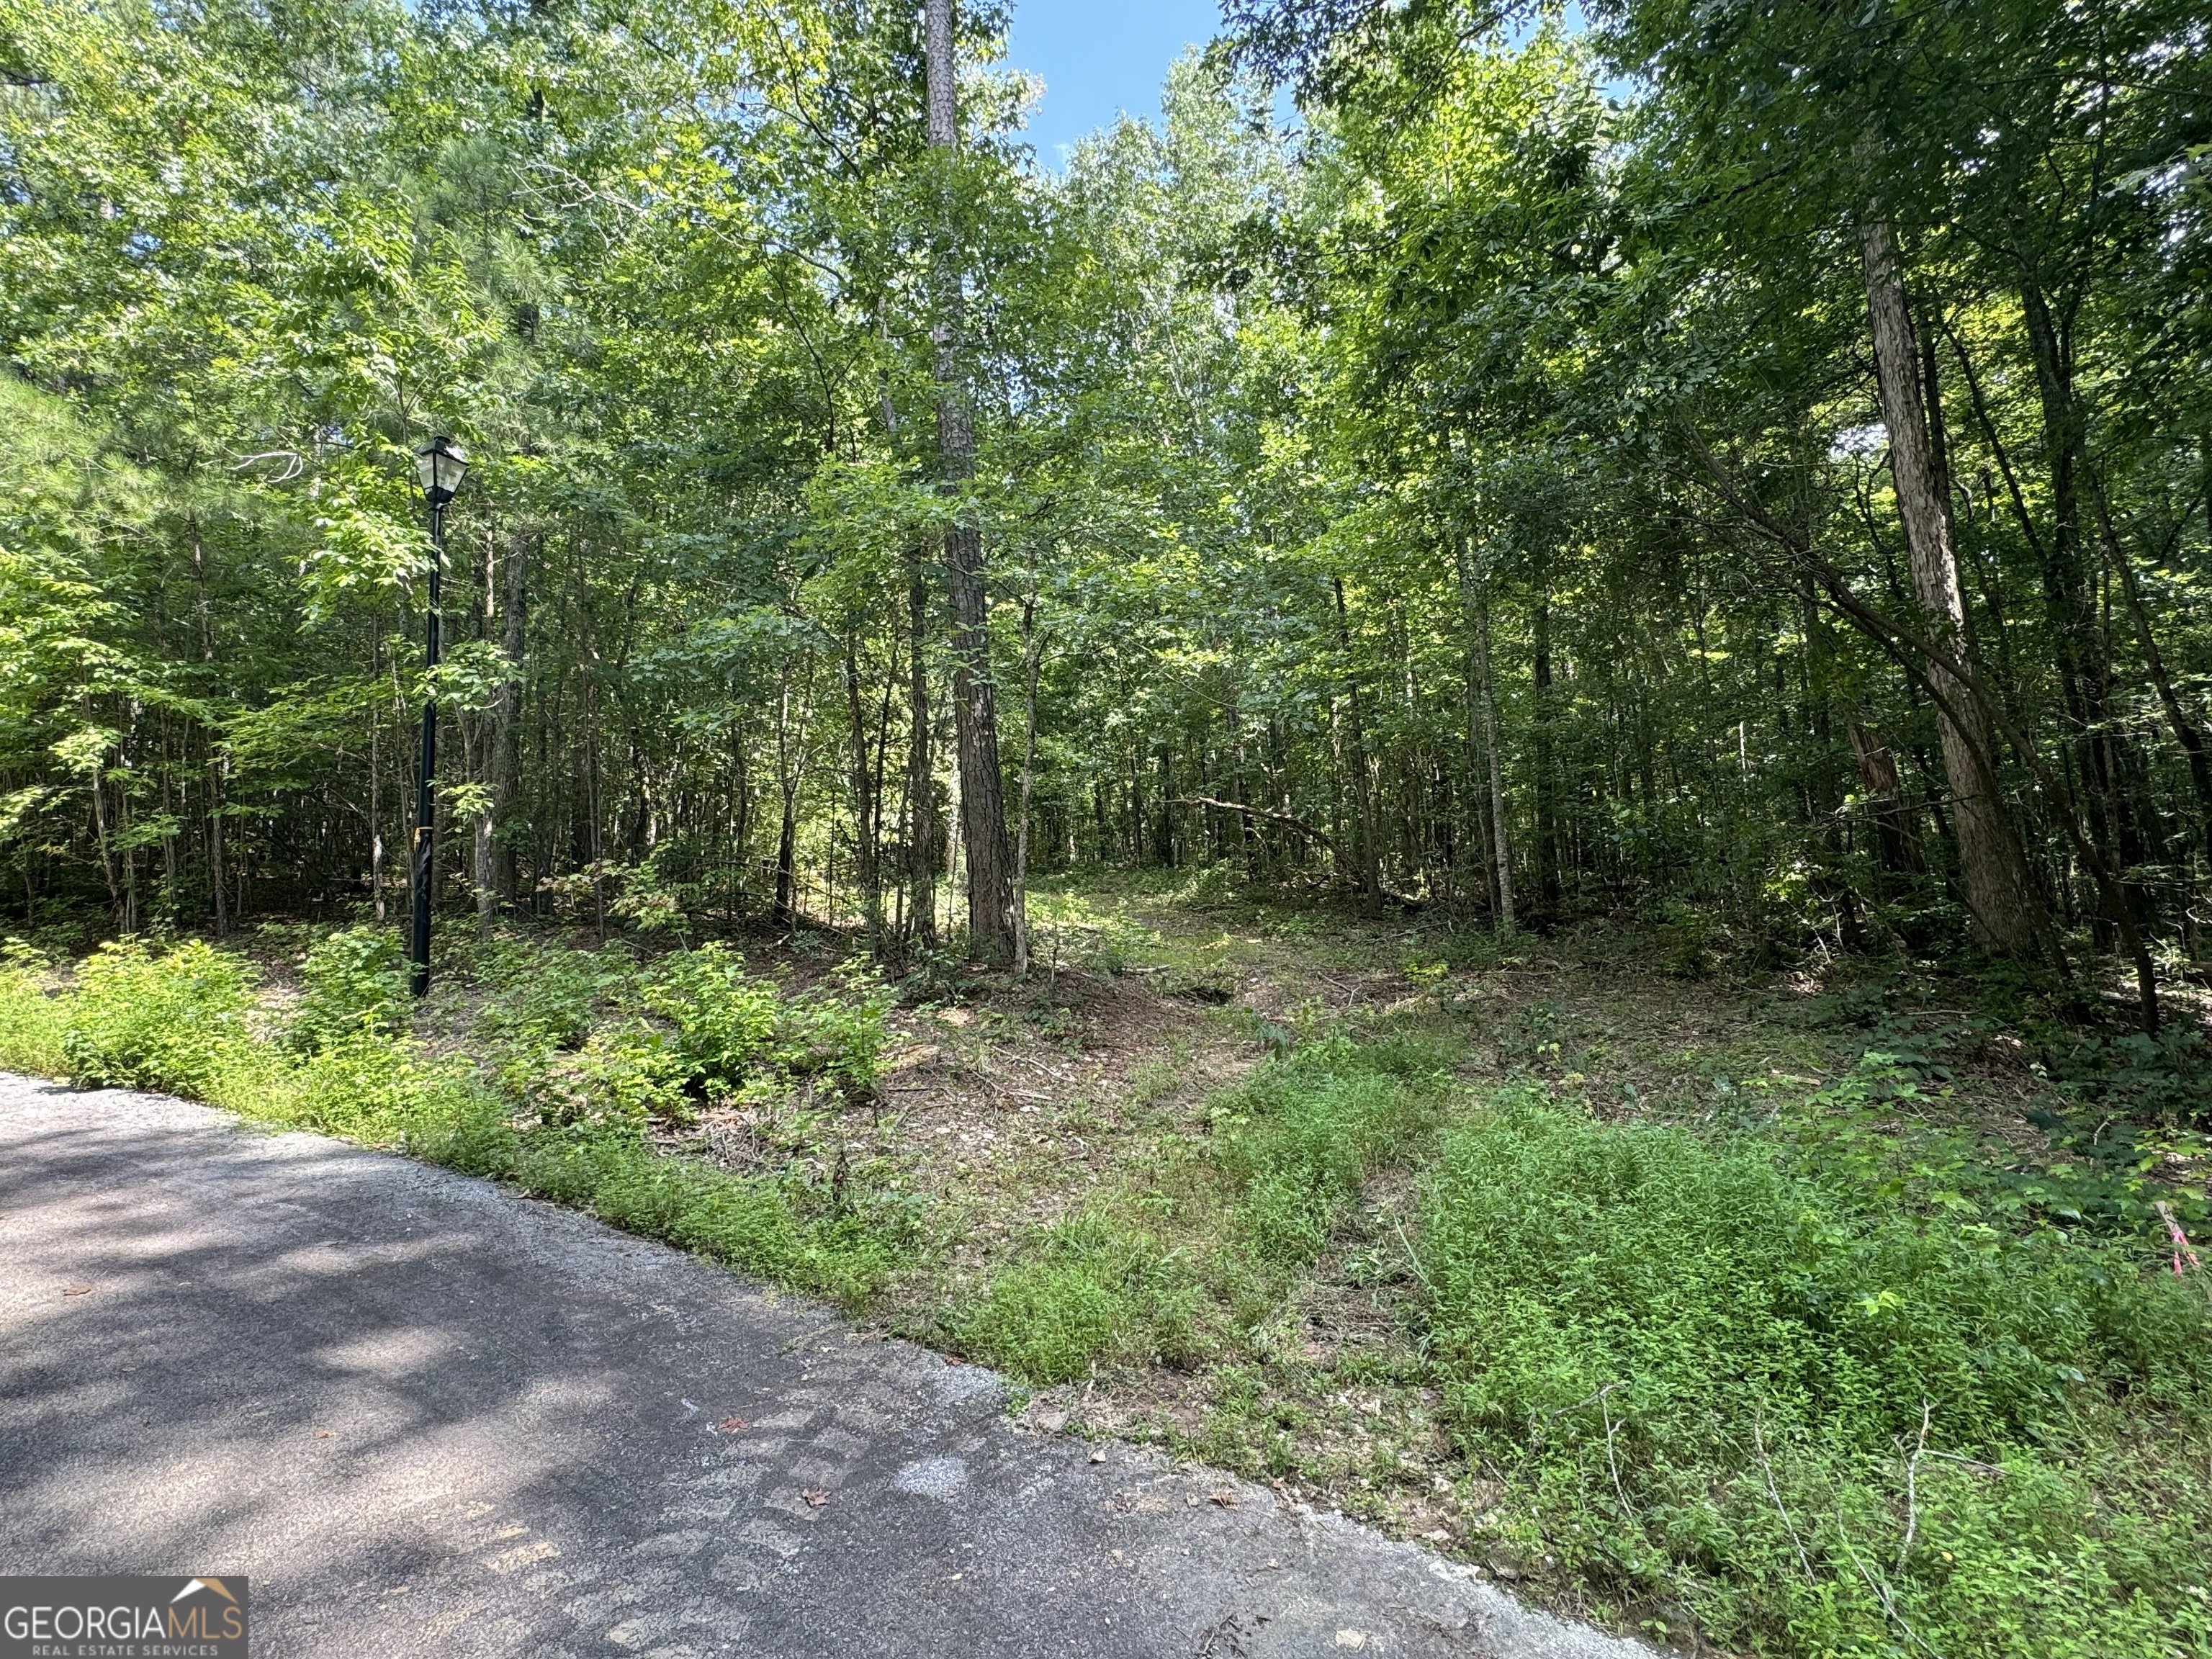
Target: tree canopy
[(1742, 466)]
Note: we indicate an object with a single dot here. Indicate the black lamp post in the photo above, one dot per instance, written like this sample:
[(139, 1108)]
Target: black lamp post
[(441, 465)]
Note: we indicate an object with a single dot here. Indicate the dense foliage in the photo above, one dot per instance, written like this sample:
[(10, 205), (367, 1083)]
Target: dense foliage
[(1791, 1404), (573, 1119), (1746, 463)]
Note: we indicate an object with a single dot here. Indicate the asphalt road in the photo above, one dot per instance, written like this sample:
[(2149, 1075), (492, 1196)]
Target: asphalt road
[(428, 1417)]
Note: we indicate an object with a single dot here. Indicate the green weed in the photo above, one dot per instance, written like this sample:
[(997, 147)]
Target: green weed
[(653, 1043), (765, 1225), (725, 1018), (1097, 1289), (1153, 1278), (731, 1026), (1089, 931), (1297, 1140), (546, 998), (837, 1032), (141, 1021), (31, 1019), (628, 1074), (351, 981), (1819, 1422), (2098, 1178)]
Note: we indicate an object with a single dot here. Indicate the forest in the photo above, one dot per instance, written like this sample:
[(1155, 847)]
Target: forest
[(1759, 475), (1731, 480)]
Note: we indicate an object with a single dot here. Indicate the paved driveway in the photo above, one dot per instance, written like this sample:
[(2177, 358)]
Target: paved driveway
[(428, 1417)]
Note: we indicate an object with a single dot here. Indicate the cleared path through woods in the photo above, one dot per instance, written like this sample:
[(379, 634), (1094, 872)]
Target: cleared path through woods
[(428, 1416)]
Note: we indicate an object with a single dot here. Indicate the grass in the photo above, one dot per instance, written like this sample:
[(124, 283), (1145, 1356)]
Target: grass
[(1791, 1320), (1171, 1271)]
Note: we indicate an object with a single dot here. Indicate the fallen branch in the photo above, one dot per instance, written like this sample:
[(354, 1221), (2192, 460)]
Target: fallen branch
[(1758, 1439), (1337, 850), (2181, 1245), (1292, 819), (1911, 1489)]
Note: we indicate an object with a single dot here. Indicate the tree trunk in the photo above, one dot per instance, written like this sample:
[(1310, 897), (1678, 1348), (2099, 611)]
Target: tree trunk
[(790, 745), (1547, 797), (741, 814), (215, 767), (1892, 816), (480, 849), (1368, 869), (953, 867), (920, 776), (2085, 673), (1032, 658), (1990, 864), (975, 719), (1166, 841), (1247, 843), (105, 842), (507, 776), (2185, 730), (1501, 840), (376, 815), (1476, 793), (866, 807)]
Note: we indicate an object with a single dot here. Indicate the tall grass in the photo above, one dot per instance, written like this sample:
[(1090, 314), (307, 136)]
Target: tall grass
[(1297, 1140), (1098, 1287)]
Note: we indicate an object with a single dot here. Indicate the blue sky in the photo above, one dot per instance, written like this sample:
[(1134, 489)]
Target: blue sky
[(1100, 57)]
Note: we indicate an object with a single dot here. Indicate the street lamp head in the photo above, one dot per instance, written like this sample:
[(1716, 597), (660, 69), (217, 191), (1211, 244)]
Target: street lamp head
[(441, 464)]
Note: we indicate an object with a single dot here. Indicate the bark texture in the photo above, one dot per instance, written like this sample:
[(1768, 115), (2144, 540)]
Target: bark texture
[(1991, 865), (975, 707), (506, 751), (920, 778)]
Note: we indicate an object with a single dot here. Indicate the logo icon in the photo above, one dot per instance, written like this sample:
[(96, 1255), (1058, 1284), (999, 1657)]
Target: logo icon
[(117, 1618)]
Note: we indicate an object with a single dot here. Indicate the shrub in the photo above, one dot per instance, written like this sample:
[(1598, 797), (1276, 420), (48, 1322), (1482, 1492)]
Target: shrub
[(546, 998), (732, 1026), (31, 1021), (179, 1022), (139, 1020), (1740, 1388), (724, 1020), (837, 1031), (628, 1074), (353, 980)]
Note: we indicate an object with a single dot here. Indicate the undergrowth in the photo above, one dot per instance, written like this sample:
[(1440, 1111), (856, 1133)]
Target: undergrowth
[(1840, 1382), (1177, 1271), (184, 1021), (1816, 1412)]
